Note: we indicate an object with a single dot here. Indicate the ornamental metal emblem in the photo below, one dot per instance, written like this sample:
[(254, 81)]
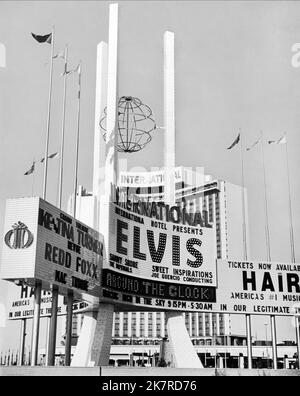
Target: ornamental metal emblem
[(19, 237)]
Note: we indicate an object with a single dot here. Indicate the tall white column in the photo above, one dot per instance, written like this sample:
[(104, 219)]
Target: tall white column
[(197, 323), (99, 142), (94, 344), (138, 324), (182, 349), (146, 319), (122, 324), (169, 117), (129, 324), (154, 332)]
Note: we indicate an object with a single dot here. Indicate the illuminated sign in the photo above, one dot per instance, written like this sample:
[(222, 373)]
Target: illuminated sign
[(44, 243), (157, 178), (159, 259), (252, 287)]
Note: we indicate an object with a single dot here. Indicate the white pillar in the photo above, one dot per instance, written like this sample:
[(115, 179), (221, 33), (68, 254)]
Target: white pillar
[(190, 324), (169, 117), (183, 352), (146, 319), (93, 349), (197, 323), (162, 321), (154, 332), (121, 316), (99, 142), (138, 324)]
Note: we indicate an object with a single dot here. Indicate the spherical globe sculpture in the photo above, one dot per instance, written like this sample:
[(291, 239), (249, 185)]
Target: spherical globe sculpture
[(135, 124)]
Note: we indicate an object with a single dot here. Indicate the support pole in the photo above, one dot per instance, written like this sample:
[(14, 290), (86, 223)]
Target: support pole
[(53, 327), (48, 117), (22, 342), (274, 342), (36, 324), (48, 319), (245, 249), (62, 143), (69, 329), (292, 241), (82, 353), (249, 340), (169, 117), (297, 323), (183, 353)]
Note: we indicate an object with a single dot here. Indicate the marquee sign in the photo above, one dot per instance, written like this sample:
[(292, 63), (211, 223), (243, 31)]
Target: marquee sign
[(21, 304), (155, 259), (252, 287), (44, 243), (157, 178), (259, 288)]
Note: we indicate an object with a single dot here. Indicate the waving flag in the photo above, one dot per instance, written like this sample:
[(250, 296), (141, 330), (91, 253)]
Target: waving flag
[(31, 170), (60, 54), (76, 70), (47, 38), (50, 157), (282, 140), (237, 140), (255, 143)]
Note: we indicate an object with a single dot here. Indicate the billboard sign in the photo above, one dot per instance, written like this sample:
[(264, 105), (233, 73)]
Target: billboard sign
[(20, 304), (157, 259), (252, 287), (157, 178), (43, 243), (258, 287)]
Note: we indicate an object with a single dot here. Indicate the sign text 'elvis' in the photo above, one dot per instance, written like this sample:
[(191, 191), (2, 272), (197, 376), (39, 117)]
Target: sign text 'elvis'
[(159, 259), (62, 250)]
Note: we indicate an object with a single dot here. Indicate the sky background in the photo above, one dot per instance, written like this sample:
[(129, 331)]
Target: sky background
[(233, 70)]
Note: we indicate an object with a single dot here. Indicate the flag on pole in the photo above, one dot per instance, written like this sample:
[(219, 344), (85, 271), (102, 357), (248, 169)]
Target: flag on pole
[(255, 143), (47, 38), (282, 140), (31, 170), (49, 157), (237, 140), (76, 70), (60, 54)]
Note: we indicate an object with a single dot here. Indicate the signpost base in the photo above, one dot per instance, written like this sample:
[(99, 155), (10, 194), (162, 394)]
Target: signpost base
[(22, 342), (93, 348), (182, 351)]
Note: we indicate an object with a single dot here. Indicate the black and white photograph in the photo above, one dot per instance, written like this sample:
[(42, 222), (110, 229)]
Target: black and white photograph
[(149, 191)]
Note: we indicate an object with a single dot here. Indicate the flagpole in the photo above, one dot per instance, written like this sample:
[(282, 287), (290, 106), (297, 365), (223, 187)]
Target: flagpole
[(292, 242), (243, 200), (38, 286), (63, 131), (248, 317), (77, 141), (48, 117), (70, 295), (267, 229), (32, 187)]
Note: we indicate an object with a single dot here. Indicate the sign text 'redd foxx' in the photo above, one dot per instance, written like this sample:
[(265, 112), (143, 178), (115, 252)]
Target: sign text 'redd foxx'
[(43, 243)]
